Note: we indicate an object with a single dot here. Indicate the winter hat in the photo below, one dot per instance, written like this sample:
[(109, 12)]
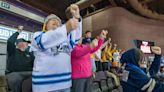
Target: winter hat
[(48, 18)]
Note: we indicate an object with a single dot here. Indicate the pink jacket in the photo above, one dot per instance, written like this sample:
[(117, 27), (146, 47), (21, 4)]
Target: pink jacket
[(81, 60)]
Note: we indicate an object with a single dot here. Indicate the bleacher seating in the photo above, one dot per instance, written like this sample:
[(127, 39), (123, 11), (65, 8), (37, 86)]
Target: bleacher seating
[(100, 75), (103, 86), (95, 87), (104, 83), (3, 84), (110, 84), (101, 83)]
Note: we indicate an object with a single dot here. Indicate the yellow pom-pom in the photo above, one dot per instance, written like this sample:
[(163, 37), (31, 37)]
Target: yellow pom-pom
[(44, 28)]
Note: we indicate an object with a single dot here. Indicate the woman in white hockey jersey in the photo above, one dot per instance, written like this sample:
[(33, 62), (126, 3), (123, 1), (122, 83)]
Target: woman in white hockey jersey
[(52, 68)]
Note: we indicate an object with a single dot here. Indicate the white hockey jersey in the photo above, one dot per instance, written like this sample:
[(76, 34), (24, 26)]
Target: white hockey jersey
[(52, 67)]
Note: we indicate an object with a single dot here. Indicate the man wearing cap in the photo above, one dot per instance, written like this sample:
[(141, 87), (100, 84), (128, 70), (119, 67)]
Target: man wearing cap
[(88, 37), (19, 61), (51, 47)]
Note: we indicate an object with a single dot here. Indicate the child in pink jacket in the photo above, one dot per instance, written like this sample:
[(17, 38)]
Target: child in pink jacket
[(82, 64)]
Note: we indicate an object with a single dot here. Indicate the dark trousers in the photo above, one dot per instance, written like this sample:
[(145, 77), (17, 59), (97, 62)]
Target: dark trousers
[(15, 80), (82, 85), (105, 66), (99, 66)]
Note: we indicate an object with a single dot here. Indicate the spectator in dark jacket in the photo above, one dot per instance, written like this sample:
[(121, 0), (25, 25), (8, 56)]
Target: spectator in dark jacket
[(87, 38), (19, 61)]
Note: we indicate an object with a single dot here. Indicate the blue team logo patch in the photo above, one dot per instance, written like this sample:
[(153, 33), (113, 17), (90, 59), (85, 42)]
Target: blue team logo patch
[(60, 49)]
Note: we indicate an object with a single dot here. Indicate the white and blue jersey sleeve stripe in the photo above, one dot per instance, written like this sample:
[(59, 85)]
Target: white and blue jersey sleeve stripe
[(52, 38), (38, 40), (75, 35)]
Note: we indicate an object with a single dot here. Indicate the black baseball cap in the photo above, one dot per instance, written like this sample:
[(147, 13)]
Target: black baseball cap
[(22, 40)]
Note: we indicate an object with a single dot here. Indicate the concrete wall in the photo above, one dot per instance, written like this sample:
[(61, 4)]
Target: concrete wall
[(124, 26)]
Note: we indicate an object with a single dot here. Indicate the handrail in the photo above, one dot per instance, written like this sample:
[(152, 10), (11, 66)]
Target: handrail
[(2, 54)]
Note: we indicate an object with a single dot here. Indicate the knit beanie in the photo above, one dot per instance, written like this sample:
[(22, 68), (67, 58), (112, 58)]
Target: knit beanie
[(48, 18)]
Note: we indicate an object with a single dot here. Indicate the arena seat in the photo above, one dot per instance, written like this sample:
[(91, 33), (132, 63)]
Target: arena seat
[(110, 84), (103, 86), (3, 84), (100, 76), (95, 87)]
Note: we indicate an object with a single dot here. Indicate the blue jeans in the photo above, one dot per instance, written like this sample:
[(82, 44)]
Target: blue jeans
[(62, 90), (93, 65)]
